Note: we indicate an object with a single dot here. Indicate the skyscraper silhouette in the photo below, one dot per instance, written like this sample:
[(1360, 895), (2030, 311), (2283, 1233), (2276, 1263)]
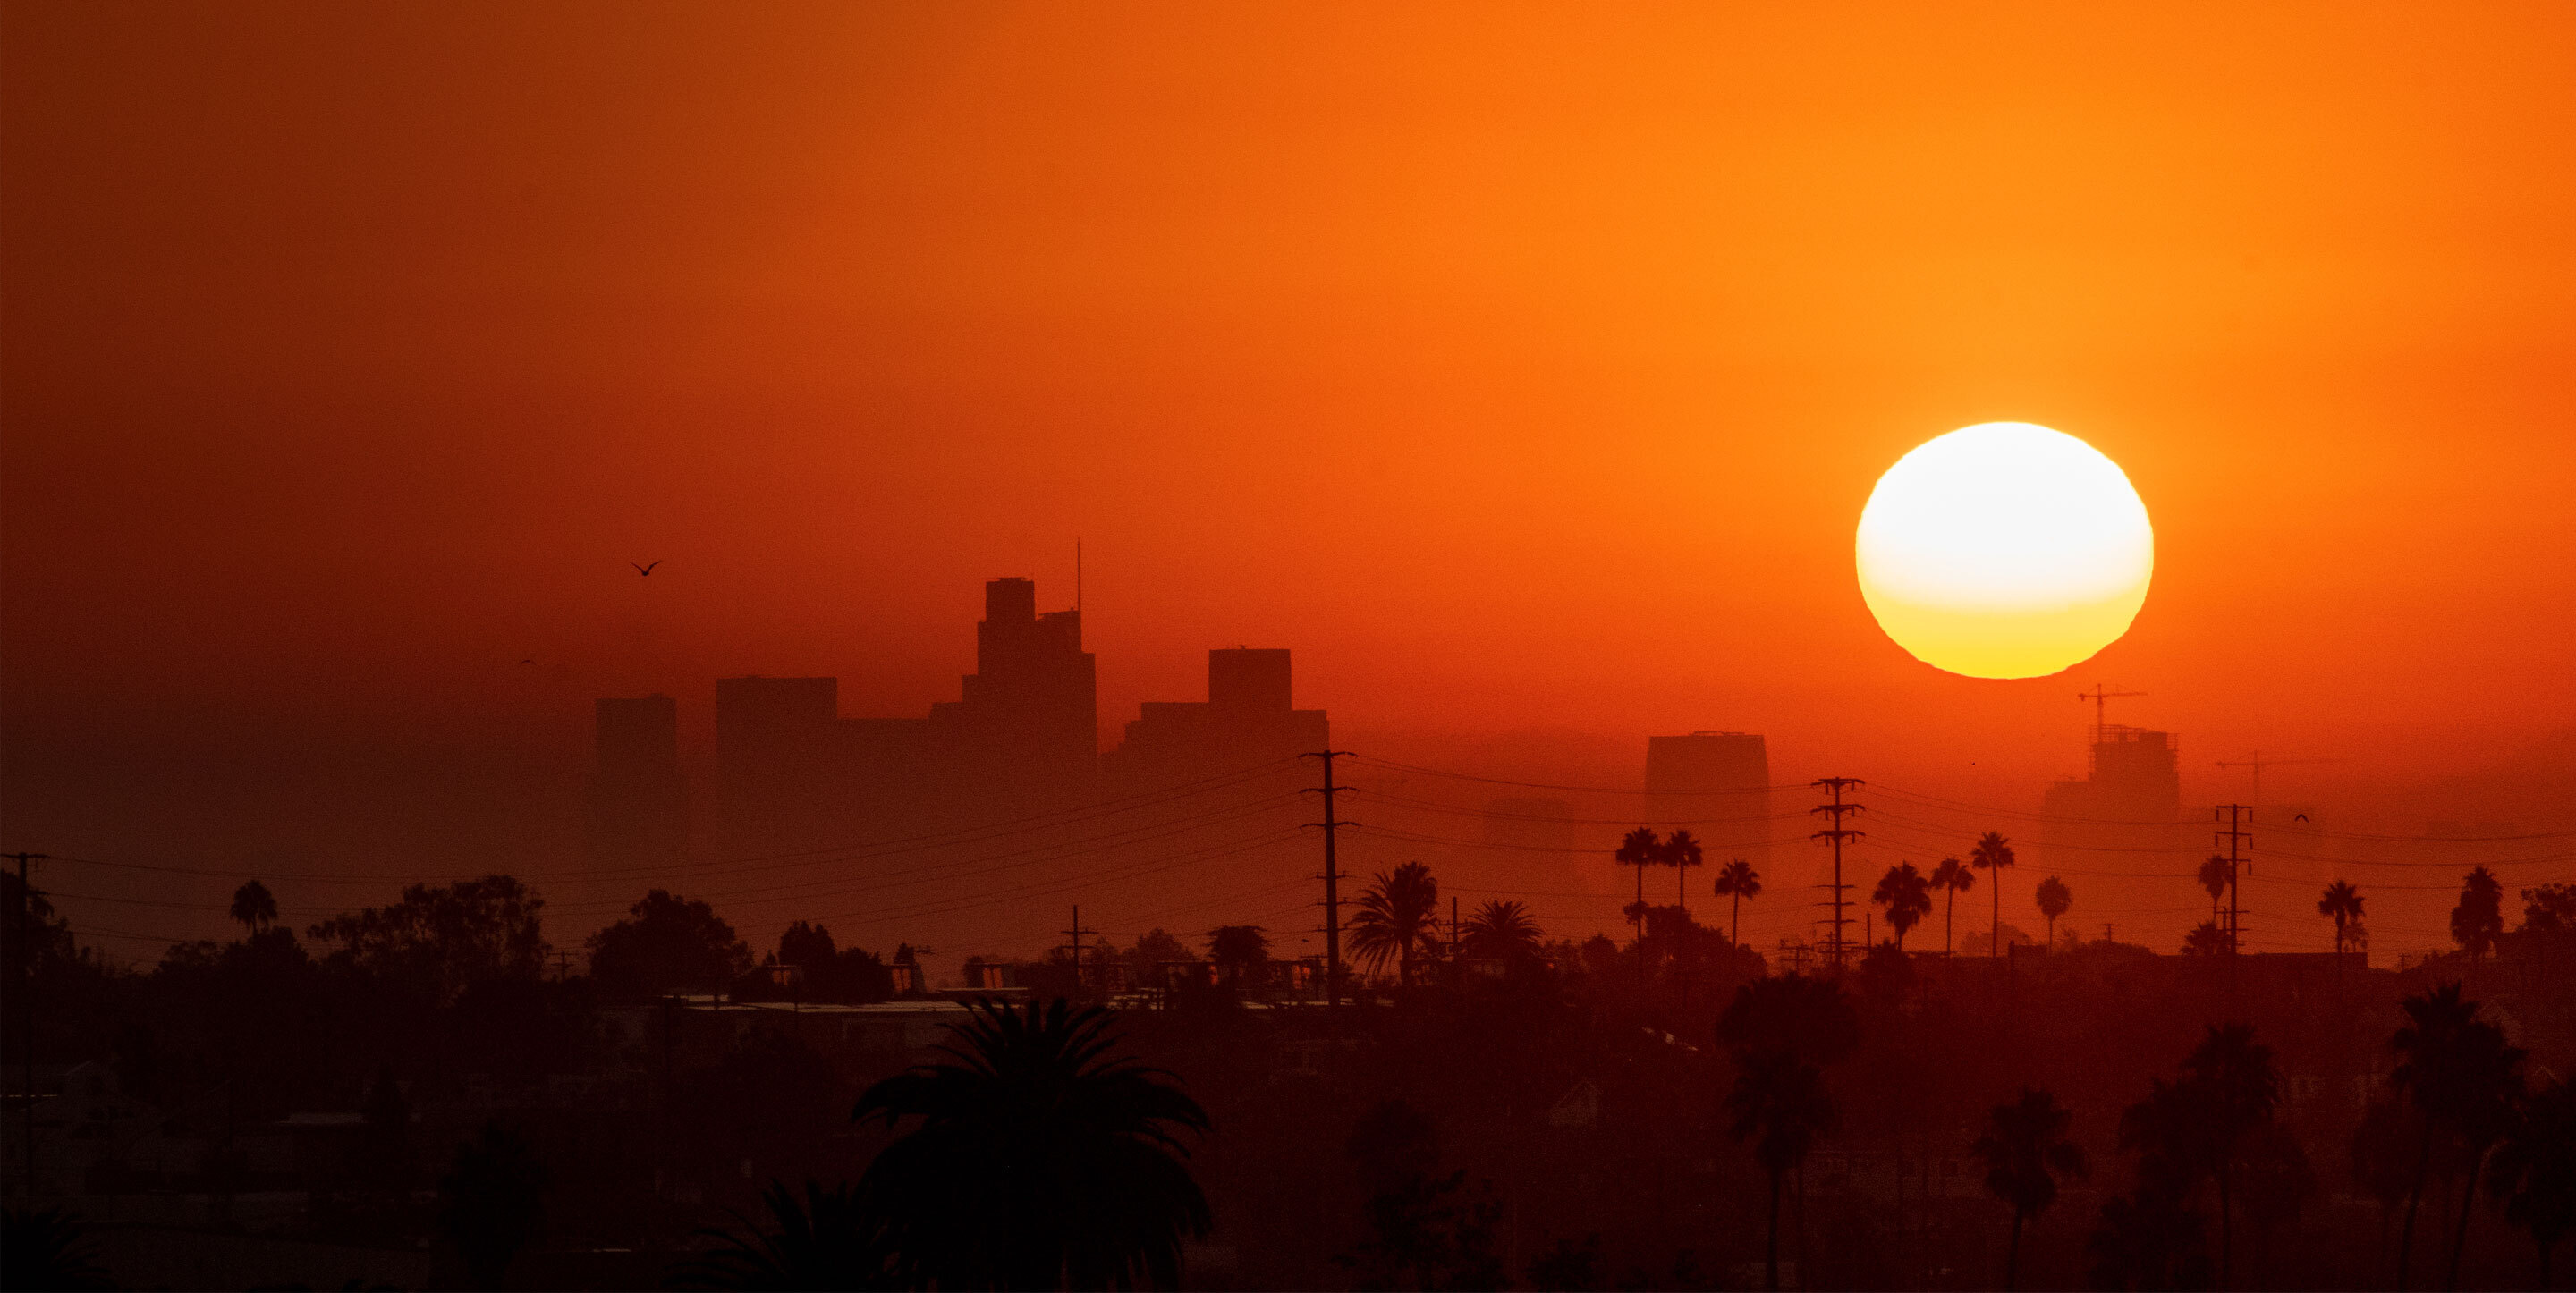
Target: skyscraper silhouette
[(1026, 723), (1247, 719)]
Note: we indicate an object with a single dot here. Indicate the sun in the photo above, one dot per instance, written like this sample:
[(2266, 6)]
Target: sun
[(2005, 550)]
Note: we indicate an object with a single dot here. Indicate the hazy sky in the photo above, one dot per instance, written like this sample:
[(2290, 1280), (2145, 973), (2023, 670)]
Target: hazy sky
[(1520, 368)]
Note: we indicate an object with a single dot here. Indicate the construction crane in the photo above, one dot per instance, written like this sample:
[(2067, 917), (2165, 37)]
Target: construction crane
[(2100, 696), (2257, 762)]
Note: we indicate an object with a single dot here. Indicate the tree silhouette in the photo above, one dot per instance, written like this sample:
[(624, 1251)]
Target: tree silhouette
[(1906, 895), (1041, 1158), (48, 1248), (2213, 877), (2342, 905), (2238, 1089), (1640, 849), (442, 938), (2205, 939), (1806, 1015), (1502, 931), (1779, 1104), (1952, 877), (2535, 1169), (823, 1241), (1398, 912), (1739, 881), (1237, 949), (667, 944), (2478, 920), (1993, 853), (254, 907), (2054, 898), (491, 1202), (2027, 1154), (2465, 1078), (1681, 852)]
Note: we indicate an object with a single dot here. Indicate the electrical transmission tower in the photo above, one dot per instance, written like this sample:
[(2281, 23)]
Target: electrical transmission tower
[(1836, 945), (1332, 878)]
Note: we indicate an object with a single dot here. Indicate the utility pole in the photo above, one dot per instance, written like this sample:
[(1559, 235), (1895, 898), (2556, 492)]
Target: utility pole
[(2106, 931), (27, 1012), (2234, 838), (1332, 879), (1453, 928), (2100, 696), (1076, 934), (1837, 946)]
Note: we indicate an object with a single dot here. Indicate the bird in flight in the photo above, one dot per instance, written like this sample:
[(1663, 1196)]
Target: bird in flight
[(644, 570)]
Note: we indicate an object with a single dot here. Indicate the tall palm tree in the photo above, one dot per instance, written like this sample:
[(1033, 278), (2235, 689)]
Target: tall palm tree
[(2342, 905), (1906, 895), (2027, 1153), (254, 906), (1739, 881), (1993, 853), (2535, 1169), (1502, 931), (2054, 898), (1042, 1158), (825, 1240), (2238, 1089), (1681, 853), (1954, 878), (2213, 878), (1779, 1104), (1640, 849), (2464, 1077), (1398, 912)]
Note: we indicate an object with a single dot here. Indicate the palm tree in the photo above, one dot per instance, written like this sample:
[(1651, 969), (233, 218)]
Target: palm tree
[(1738, 880), (2027, 1153), (49, 1248), (2342, 905), (1237, 949), (1906, 895), (1954, 878), (1993, 853), (2460, 1072), (2535, 1169), (2238, 1089), (254, 906), (1502, 931), (1397, 913), (1042, 1159), (2054, 899), (2213, 877), (2479, 918), (1681, 853), (1641, 849), (823, 1241), (1778, 1103)]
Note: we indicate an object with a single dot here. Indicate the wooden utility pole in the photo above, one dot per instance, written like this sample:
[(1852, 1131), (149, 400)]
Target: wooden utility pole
[(2236, 839), (1332, 877)]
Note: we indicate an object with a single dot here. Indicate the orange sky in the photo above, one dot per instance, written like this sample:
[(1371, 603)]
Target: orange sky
[(1523, 369)]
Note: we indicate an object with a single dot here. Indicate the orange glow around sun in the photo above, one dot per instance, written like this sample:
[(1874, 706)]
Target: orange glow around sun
[(2005, 550)]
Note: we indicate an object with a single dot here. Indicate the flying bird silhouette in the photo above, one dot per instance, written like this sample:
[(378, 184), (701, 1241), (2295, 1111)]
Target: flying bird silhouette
[(2300, 818), (644, 570)]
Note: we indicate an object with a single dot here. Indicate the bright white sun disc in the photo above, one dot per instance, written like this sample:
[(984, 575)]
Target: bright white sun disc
[(2004, 550)]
